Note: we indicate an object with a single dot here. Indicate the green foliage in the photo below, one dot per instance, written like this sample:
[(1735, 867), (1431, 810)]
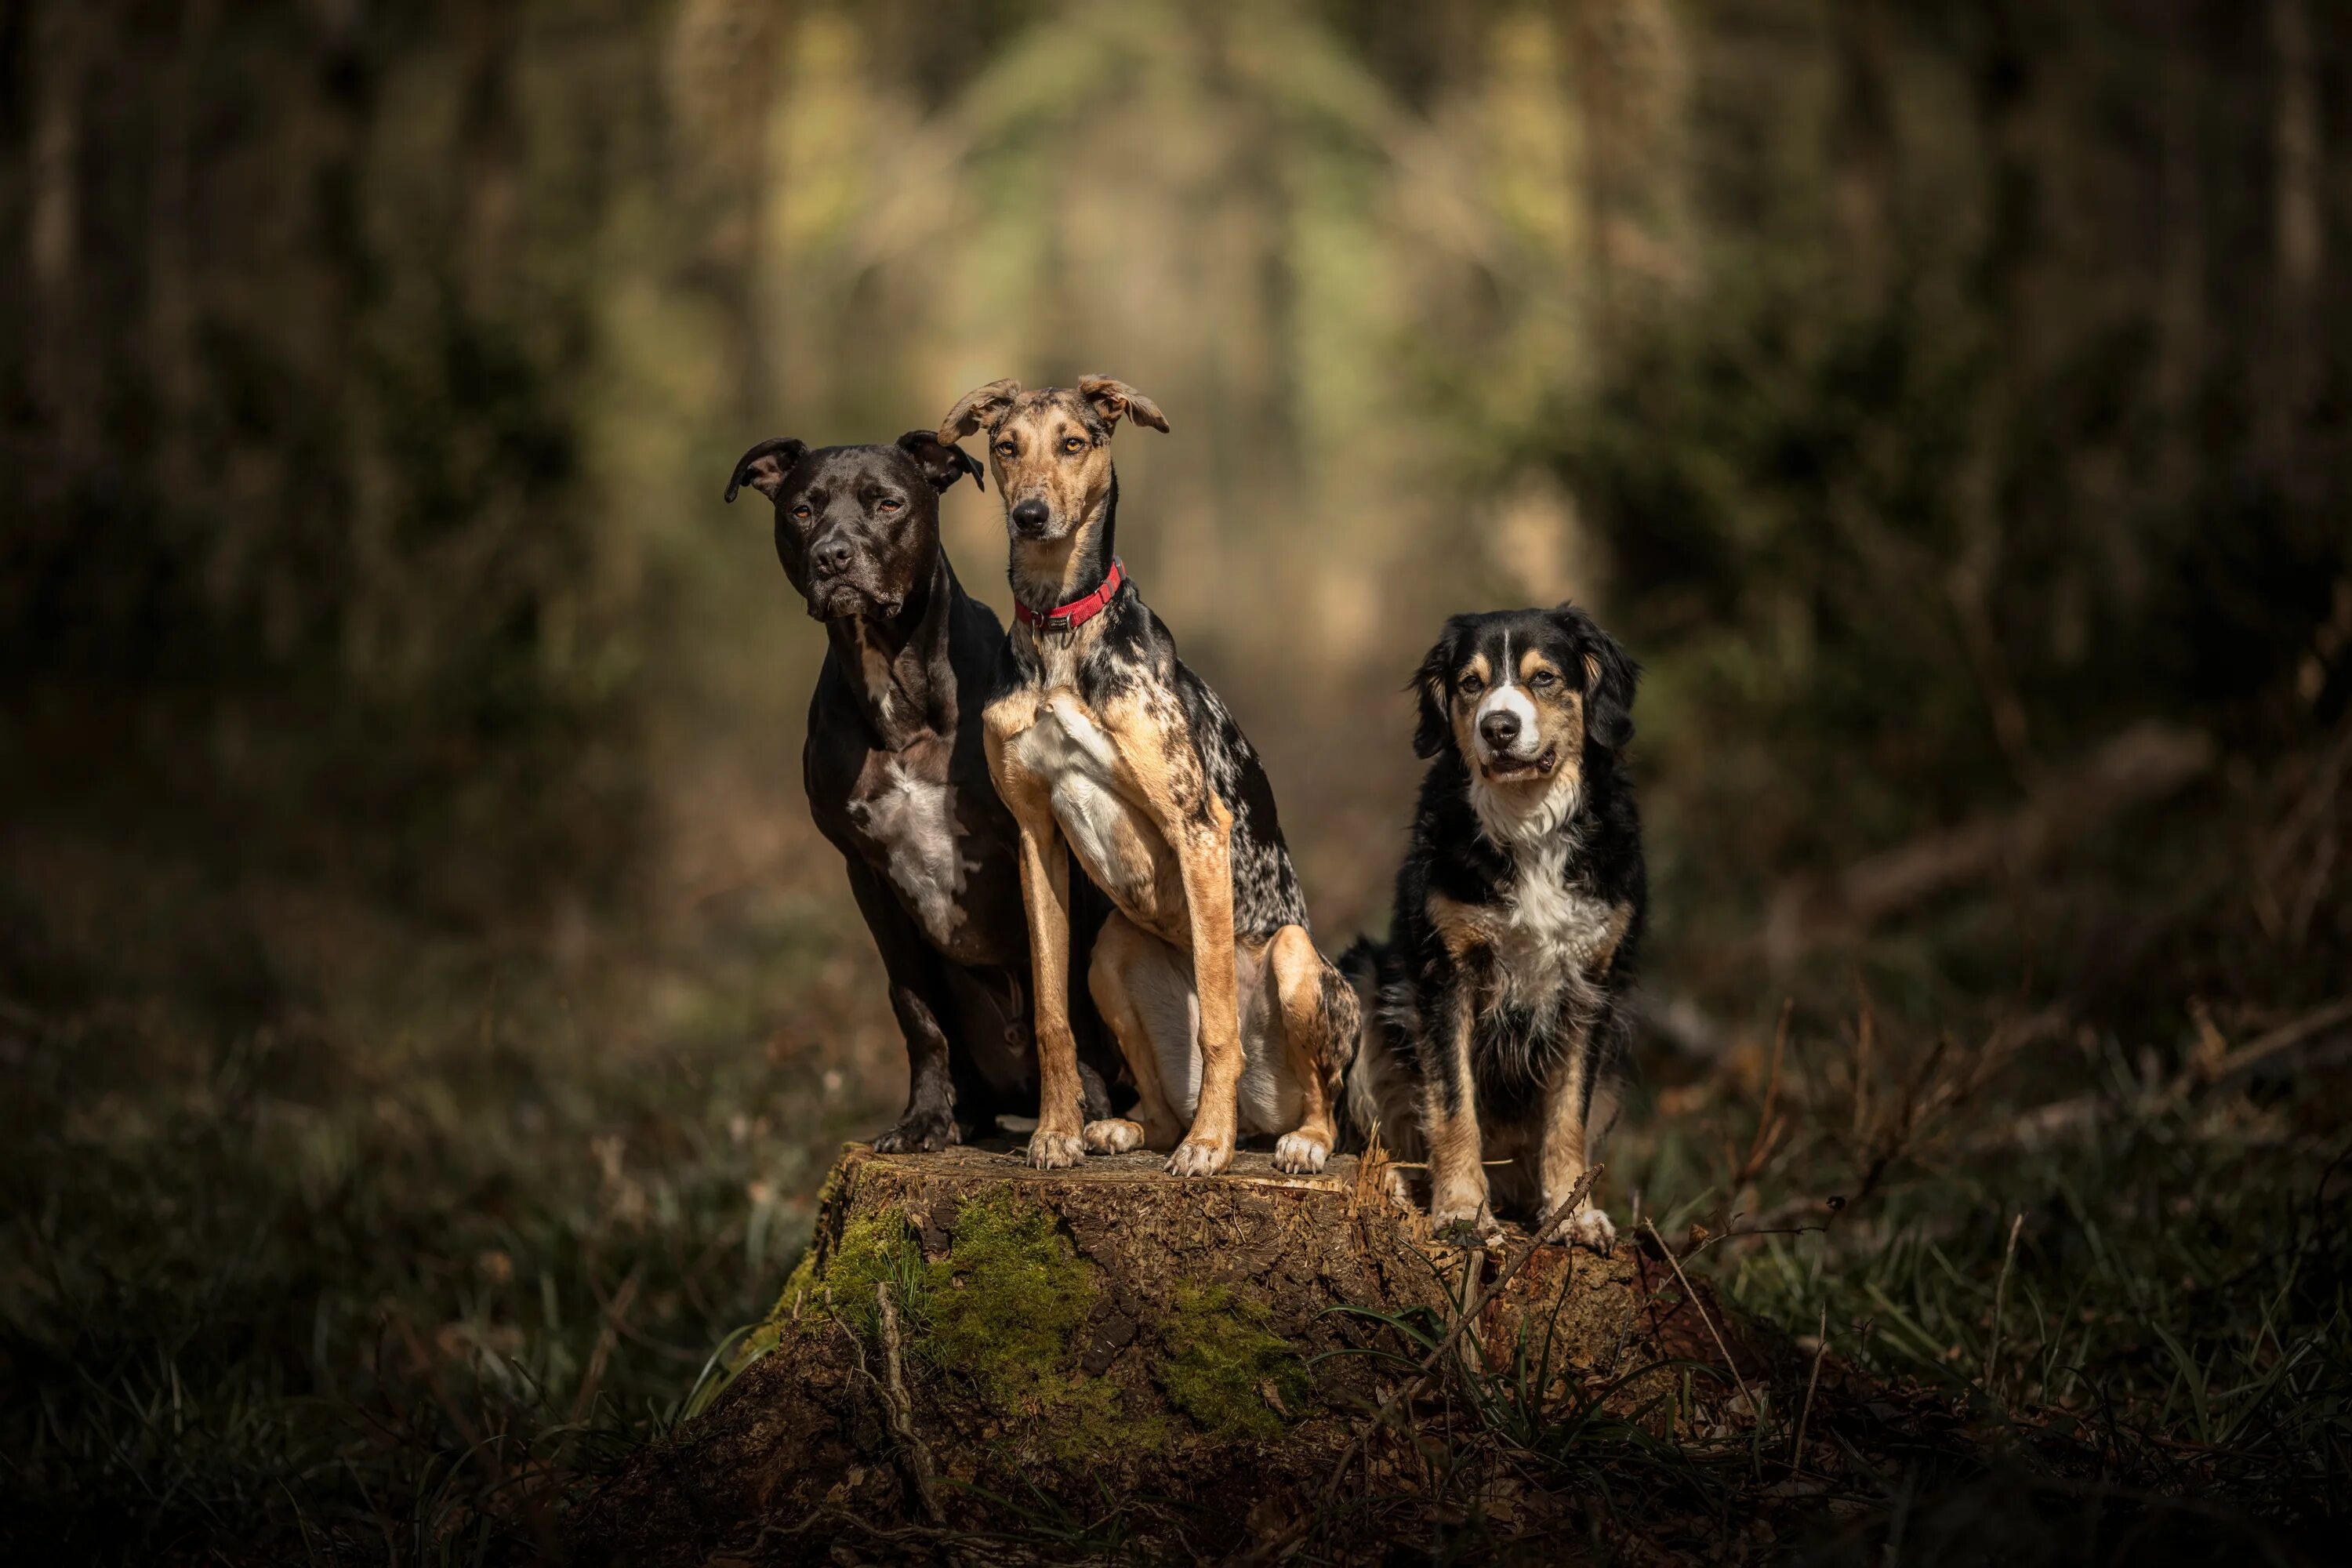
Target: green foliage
[(1221, 1365)]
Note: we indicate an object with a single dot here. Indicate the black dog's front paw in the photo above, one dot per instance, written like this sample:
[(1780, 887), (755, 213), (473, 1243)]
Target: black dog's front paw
[(920, 1132)]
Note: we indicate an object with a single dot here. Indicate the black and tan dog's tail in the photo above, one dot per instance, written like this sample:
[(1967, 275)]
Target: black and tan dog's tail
[(1364, 970)]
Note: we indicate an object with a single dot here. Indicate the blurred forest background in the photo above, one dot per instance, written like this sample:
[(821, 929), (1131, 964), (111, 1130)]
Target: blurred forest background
[(428, 1013)]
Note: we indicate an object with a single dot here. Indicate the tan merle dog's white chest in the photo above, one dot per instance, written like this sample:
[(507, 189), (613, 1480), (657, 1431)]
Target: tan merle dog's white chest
[(1101, 811)]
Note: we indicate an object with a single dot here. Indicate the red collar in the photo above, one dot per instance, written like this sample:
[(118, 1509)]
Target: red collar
[(1064, 619)]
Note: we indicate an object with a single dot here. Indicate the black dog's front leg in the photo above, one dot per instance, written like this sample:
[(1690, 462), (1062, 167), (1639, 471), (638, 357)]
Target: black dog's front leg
[(917, 999)]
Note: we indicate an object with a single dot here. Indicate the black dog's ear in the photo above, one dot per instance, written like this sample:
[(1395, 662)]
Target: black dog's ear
[(976, 408), (942, 462), (1110, 399), (1432, 731), (1610, 677), (765, 466)]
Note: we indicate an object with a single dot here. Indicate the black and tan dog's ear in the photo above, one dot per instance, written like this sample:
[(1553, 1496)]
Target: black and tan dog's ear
[(1110, 399), (976, 408), (1610, 677), (1432, 731), (942, 462), (765, 466)]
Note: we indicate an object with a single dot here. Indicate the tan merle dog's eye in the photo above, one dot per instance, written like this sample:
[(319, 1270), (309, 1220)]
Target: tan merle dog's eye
[(1007, 450), (1074, 444)]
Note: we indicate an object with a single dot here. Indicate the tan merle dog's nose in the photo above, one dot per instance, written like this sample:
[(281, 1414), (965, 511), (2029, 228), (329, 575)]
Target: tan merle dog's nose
[(1032, 518)]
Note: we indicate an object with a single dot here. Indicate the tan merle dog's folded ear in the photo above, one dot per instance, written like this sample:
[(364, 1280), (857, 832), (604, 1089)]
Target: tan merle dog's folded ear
[(1110, 399), (942, 462), (976, 408), (765, 467)]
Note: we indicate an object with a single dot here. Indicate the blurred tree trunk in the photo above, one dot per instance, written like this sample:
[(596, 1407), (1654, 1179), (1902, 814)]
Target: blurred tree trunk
[(2005, 87), (488, 150), (2296, 174), (2181, 251), (171, 260), (60, 365), (1862, 152)]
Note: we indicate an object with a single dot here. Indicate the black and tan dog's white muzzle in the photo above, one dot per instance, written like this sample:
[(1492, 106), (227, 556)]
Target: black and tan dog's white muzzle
[(1510, 736)]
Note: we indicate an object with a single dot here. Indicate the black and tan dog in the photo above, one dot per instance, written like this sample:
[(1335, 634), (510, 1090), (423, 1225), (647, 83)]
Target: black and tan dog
[(1099, 736), (1496, 1014), (897, 779)]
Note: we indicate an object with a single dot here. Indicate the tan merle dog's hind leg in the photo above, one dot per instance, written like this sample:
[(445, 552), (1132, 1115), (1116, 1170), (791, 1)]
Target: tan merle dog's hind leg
[(1122, 953), (1309, 1046)]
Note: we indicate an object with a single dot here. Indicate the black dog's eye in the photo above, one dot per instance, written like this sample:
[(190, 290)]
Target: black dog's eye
[(802, 513), (1472, 686), (1074, 444), (889, 503)]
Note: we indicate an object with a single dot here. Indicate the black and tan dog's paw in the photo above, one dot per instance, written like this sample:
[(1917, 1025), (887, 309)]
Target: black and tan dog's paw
[(920, 1132), (1591, 1230)]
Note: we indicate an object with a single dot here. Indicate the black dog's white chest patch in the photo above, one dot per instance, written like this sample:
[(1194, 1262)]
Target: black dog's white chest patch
[(912, 819)]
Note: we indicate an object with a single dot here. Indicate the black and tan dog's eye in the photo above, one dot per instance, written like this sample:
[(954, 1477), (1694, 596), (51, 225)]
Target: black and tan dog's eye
[(1543, 680), (1471, 686), (1074, 444)]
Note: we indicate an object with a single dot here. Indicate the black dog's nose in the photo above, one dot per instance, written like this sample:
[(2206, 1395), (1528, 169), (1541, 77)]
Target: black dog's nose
[(832, 558), (1499, 728), (1031, 516)]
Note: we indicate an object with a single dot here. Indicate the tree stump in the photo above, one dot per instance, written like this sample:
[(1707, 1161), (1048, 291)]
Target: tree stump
[(975, 1351)]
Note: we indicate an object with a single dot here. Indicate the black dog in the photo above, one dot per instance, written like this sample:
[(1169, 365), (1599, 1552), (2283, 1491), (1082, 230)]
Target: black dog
[(895, 776), (1496, 1015)]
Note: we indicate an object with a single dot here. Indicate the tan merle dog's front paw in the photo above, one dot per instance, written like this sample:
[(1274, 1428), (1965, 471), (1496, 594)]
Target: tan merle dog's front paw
[(1053, 1150), (1301, 1153), (1201, 1157), (1113, 1135)]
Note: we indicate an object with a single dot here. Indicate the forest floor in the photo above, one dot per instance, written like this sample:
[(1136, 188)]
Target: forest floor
[(311, 1256)]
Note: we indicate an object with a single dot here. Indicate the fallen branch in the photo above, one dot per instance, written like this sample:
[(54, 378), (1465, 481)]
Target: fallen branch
[(2145, 763)]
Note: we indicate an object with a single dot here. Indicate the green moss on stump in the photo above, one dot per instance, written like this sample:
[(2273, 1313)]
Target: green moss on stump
[(1222, 1366), (1008, 1302)]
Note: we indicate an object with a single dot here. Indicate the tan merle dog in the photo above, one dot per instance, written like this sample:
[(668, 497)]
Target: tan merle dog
[(1099, 736), (1497, 1019)]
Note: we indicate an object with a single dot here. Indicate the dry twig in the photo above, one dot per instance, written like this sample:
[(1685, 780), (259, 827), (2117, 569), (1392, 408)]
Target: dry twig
[(1277, 1545), (1749, 1399)]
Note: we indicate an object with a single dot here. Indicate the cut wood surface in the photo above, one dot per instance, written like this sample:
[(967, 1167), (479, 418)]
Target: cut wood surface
[(970, 1341)]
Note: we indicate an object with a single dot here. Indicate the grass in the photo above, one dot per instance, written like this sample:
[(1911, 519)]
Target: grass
[(310, 1269), (332, 1241)]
